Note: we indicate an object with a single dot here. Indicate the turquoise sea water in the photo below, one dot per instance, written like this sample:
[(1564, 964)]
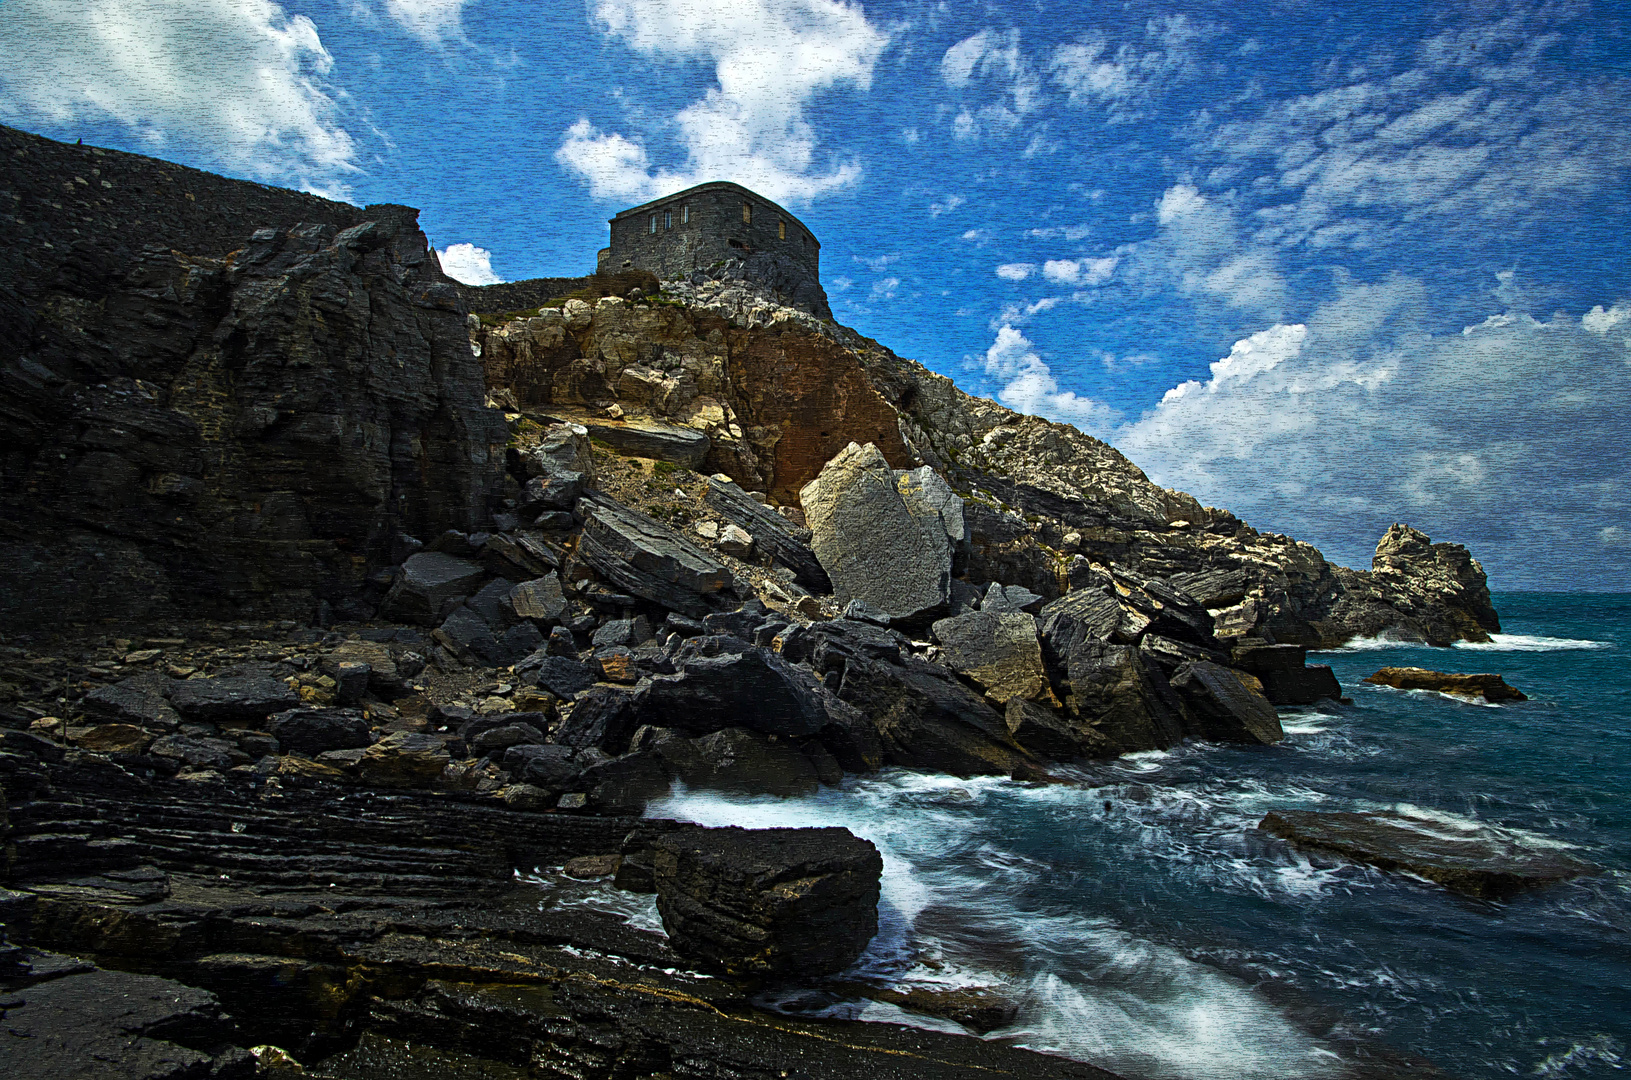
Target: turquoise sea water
[(1143, 924)]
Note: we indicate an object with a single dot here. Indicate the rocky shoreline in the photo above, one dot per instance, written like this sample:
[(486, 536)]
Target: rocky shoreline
[(332, 600)]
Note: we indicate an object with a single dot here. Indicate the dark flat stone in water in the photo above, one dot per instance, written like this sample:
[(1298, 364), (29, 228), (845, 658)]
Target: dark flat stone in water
[(1483, 862), (1492, 688)]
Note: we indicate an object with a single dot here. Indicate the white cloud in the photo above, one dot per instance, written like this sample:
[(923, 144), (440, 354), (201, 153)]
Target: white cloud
[(1028, 385), (431, 21), (242, 79), (1091, 72), (1080, 271), (1015, 271), (770, 59), (1061, 232), (1334, 428), (885, 289), (1202, 247), (946, 205), (1600, 321), (993, 57), (469, 264)]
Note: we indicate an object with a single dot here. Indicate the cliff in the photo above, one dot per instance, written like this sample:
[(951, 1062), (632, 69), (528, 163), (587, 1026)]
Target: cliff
[(218, 397)]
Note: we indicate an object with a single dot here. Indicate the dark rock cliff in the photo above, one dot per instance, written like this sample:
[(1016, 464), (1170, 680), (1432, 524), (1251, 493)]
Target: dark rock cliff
[(218, 396)]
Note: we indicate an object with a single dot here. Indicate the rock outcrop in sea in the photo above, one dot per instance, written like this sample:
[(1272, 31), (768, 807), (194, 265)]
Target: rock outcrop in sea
[(333, 599)]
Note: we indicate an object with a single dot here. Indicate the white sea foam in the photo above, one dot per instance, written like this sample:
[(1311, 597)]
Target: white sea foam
[(951, 914), (1530, 643)]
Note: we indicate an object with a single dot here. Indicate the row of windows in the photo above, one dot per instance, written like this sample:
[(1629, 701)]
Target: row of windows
[(685, 219)]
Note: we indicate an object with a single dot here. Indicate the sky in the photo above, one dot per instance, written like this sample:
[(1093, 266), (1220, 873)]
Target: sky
[(1330, 266)]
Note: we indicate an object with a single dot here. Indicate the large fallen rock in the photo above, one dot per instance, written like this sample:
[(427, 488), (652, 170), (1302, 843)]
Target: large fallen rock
[(1121, 696), (764, 903), (641, 555), (1483, 862), (786, 543), (738, 760), (926, 719), (426, 582), (317, 731), (874, 545), (1491, 688), (997, 649), (138, 700)]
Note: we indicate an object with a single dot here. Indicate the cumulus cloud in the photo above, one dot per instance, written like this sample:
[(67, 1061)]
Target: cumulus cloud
[(1080, 271), (468, 263), (770, 58), (242, 79), (1016, 271), (1027, 384), (1202, 246), (946, 205), (1333, 428), (1601, 321)]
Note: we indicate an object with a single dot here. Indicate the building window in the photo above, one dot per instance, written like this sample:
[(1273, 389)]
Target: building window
[(668, 219), (781, 230), (685, 215), (747, 213), (653, 224)]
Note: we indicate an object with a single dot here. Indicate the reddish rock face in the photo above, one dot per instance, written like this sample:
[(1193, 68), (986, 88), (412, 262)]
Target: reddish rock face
[(800, 399)]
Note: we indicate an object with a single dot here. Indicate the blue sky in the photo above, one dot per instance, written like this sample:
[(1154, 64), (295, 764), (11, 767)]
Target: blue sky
[(1330, 266)]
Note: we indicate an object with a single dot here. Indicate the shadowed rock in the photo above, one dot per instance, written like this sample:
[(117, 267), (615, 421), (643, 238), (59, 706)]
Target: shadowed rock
[(426, 582), (997, 649), (231, 699), (786, 543), (641, 555), (1226, 705), (1483, 862)]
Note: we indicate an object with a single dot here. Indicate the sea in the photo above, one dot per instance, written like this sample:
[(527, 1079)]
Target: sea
[(1142, 923)]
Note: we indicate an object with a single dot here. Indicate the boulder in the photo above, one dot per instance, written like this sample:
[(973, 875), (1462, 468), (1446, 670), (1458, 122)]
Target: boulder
[(426, 582), (492, 603), (1492, 688), (403, 759), (541, 598), (787, 544), (1010, 598), (1286, 677), (1482, 861), (387, 677), (770, 902), (315, 731), (499, 739), (736, 542), (197, 753), (563, 676), (874, 545), (564, 454), (641, 555), (113, 739), (926, 719), (998, 649), (231, 699), (1226, 705)]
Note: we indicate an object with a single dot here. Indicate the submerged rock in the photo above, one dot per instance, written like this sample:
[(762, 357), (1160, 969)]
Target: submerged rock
[(768, 902), (1482, 862), (1491, 688)]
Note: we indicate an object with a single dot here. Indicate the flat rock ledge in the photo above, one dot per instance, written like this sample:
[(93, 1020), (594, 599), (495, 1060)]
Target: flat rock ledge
[(1484, 862), (768, 902)]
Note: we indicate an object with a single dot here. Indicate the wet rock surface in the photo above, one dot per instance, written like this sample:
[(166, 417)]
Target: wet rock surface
[(1482, 862), (1492, 688)]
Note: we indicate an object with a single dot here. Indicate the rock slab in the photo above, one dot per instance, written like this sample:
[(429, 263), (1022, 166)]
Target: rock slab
[(1492, 688), (1484, 862)]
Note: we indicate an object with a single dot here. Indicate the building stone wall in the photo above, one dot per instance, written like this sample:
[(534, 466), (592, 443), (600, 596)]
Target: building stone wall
[(704, 229)]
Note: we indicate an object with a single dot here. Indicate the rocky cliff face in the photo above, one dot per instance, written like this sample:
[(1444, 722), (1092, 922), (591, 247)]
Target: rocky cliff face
[(219, 397)]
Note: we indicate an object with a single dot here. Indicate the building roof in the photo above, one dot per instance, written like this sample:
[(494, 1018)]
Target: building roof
[(712, 185)]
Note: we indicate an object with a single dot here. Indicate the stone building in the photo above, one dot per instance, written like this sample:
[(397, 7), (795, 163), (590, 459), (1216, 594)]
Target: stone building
[(721, 230)]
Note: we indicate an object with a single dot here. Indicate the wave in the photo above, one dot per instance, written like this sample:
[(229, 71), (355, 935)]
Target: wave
[(1530, 643)]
